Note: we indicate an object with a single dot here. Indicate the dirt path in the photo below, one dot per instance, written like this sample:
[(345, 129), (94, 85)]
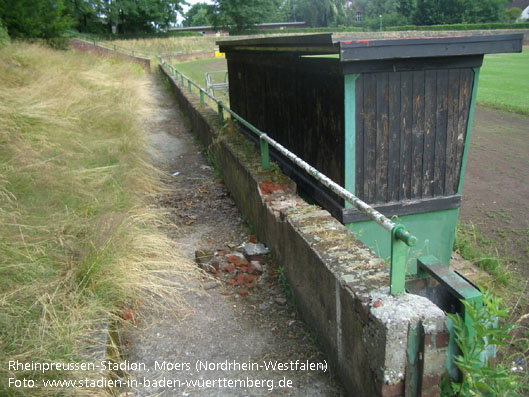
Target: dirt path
[(229, 326), (496, 185)]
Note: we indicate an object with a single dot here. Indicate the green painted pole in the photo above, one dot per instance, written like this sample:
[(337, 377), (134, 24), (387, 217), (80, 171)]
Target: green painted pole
[(469, 129), (182, 79), (201, 97), (398, 261), (265, 154), (350, 133), (221, 114), (189, 86)]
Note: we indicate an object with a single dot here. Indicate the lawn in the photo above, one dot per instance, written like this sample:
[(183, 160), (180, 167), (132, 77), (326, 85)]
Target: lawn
[(196, 70), (504, 82)]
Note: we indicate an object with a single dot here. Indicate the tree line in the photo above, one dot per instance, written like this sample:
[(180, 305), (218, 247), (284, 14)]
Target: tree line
[(50, 18), (240, 15)]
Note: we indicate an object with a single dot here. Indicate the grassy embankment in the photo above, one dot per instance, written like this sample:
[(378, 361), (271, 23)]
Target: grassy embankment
[(79, 241), (170, 45)]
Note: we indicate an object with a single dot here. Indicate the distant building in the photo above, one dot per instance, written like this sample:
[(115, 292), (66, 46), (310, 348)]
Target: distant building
[(207, 30)]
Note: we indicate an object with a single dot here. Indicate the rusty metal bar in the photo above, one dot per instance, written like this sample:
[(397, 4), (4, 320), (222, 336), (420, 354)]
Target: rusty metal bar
[(366, 209)]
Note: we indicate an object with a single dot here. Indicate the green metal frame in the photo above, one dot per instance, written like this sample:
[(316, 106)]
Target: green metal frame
[(350, 133), (469, 128), (462, 290)]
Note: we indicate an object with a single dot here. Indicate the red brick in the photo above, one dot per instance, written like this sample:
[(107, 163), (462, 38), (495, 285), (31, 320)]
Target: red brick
[(234, 259), (396, 389), (243, 292), (248, 278), (429, 381), (229, 267), (240, 279), (431, 392), (436, 341)]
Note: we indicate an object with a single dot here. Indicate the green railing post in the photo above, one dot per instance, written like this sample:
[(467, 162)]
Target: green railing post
[(265, 154), (182, 79), (189, 86), (221, 113), (398, 259), (201, 97)]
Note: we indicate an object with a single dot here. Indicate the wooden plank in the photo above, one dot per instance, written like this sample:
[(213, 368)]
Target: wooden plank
[(417, 129), (430, 105), (394, 137), (359, 188), (350, 215), (370, 131), (451, 131), (406, 106), (465, 91), (406, 65), (440, 132), (382, 138), (428, 47)]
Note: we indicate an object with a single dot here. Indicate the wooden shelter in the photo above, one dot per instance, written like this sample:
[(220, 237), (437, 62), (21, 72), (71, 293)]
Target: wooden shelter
[(388, 119)]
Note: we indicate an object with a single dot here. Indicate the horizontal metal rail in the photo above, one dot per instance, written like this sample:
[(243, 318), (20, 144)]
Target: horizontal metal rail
[(400, 236)]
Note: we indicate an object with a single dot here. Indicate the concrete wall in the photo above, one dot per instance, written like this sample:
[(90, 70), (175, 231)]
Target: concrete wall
[(83, 46), (380, 345)]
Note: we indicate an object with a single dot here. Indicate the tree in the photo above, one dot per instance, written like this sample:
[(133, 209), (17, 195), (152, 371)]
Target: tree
[(86, 15), (321, 12), (240, 15), (436, 12), (140, 16), (512, 14), (389, 12), (35, 18), (200, 14), (406, 8)]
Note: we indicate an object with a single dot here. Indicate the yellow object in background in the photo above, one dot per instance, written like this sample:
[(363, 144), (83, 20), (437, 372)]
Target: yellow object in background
[(219, 54)]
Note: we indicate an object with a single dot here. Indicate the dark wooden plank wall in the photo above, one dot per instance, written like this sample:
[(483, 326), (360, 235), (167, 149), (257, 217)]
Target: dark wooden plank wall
[(410, 133), (300, 107)]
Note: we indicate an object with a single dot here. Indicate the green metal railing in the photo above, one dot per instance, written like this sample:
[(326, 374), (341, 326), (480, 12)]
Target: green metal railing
[(401, 238)]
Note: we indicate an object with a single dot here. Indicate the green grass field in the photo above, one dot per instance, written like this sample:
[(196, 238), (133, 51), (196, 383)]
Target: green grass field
[(196, 70), (504, 82)]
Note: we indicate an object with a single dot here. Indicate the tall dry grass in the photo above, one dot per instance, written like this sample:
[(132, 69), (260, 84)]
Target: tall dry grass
[(169, 45), (79, 239)]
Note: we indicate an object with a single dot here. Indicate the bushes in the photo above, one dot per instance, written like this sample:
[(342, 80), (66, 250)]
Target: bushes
[(462, 26)]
